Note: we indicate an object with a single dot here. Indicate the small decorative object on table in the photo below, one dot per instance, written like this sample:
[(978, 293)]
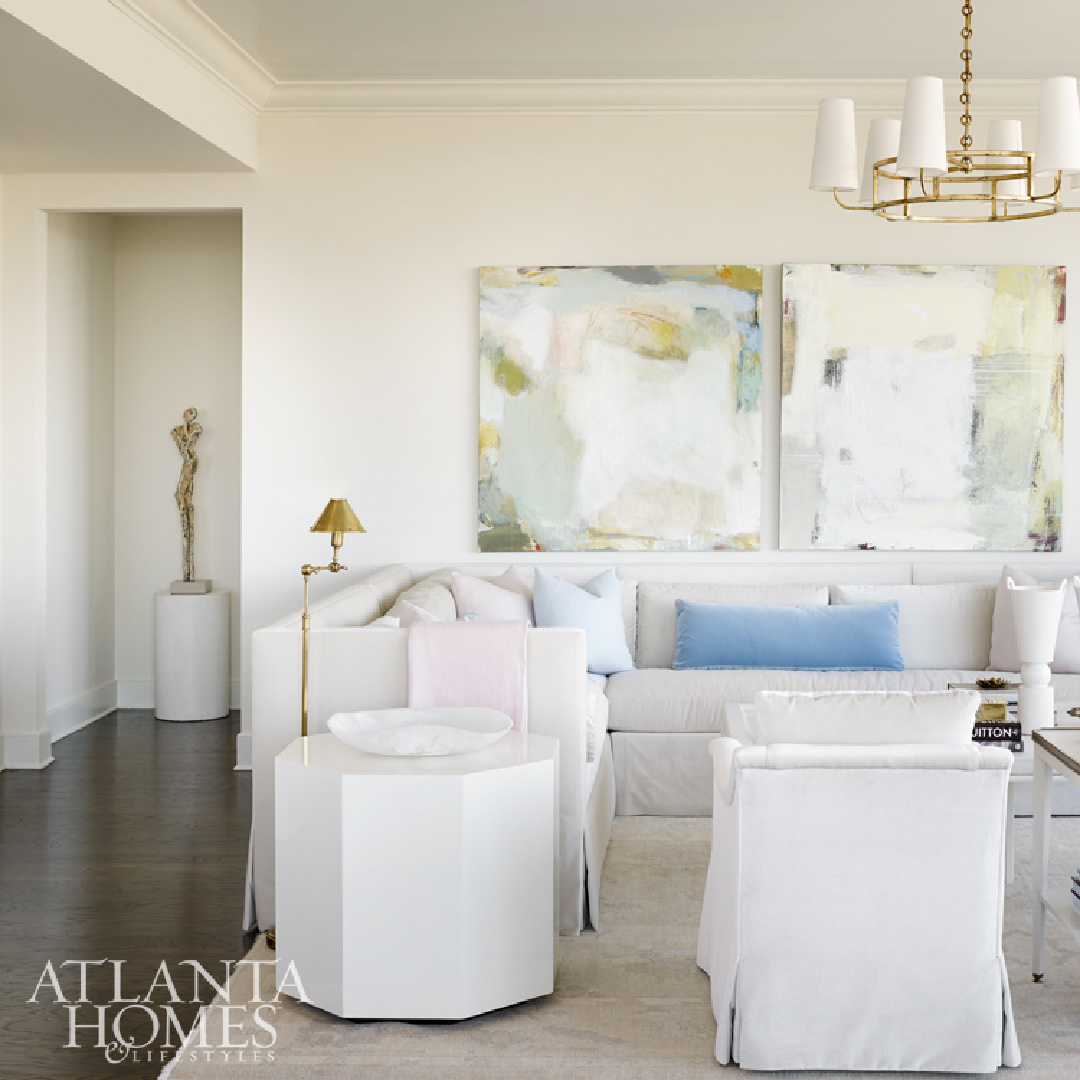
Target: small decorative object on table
[(186, 435), (420, 732), (997, 722)]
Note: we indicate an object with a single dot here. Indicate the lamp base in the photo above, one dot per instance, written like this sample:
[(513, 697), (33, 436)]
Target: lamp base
[(191, 588), (1035, 704)]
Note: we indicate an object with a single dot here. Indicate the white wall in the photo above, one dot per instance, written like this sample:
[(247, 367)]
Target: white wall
[(362, 236), (80, 663), (177, 345)]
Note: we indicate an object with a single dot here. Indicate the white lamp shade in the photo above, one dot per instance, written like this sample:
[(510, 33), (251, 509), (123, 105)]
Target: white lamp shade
[(882, 142), (1058, 145), (922, 133), (1006, 135), (836, 156), (1036, 613)]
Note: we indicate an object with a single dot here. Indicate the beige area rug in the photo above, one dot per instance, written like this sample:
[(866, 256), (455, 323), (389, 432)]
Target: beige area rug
[(630, 1002)]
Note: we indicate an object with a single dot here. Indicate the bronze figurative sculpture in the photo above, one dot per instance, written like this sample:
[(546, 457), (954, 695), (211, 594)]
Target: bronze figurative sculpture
[(186, 435)]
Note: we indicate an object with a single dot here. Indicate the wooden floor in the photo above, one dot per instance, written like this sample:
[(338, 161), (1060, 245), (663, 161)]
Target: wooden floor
[(131, 846)]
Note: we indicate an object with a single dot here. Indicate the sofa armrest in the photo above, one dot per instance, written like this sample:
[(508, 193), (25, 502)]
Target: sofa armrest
[(723, 756), (557, 687), (354, 668)]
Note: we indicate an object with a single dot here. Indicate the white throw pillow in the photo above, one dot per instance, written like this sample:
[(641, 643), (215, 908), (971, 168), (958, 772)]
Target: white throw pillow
[(409, 614), (432, 594), (941, 626), (1003, 655), (864, 718), (386, 622), (490, 600), (513, 579)]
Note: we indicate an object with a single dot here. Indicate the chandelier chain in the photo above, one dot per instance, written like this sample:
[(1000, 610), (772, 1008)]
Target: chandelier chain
[(965, 79)]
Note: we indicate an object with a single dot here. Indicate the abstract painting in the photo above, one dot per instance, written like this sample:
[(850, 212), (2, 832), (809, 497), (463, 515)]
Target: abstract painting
[(620, 408), (922, 407)]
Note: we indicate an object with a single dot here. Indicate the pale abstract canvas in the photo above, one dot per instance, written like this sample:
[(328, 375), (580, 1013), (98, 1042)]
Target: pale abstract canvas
[(620, 408), (922, 407)]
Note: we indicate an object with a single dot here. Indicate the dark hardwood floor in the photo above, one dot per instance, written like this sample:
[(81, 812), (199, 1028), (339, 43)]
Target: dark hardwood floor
[(131, 846)]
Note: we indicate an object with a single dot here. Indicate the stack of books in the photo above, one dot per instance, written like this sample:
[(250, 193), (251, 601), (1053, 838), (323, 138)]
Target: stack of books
[(997, 722), (1074, 891)]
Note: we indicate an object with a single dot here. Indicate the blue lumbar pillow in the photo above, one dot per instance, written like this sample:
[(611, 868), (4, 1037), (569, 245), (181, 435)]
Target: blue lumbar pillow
[(595, 607), (848, 637)]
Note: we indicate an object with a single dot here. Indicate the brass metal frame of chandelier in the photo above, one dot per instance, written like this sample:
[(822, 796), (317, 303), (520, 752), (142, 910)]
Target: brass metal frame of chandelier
[(964, 170)]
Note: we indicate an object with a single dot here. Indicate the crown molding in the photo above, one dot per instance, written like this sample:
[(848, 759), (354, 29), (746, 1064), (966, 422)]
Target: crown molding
[(636, 96), (183, 27)]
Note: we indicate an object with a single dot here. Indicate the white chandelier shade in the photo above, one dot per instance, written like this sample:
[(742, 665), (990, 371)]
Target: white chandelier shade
[(882, 142), (1057, 148), (910, 172), (836, 153), (1007, 135), (922, 133)]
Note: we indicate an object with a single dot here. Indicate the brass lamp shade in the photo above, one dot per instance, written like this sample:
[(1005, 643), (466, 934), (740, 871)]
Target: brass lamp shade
[(338, 517)]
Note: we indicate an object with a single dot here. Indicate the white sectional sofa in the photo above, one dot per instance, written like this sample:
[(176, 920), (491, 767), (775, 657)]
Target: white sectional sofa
[(637, 742)]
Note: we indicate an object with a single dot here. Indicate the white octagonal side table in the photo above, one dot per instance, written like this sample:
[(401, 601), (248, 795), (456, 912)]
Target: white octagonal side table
[(417, 888)]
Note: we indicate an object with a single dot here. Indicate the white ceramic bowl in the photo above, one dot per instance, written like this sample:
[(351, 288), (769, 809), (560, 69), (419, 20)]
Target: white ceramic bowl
[(420, 732)]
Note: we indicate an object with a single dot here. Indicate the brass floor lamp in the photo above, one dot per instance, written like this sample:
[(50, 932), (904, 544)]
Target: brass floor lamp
[(337, 519)]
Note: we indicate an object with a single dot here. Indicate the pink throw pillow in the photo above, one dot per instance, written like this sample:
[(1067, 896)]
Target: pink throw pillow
[(491, 602), (1003, 655)]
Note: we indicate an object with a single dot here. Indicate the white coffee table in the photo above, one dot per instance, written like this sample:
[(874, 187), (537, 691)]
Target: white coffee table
[(1057, 750), (417, 888)]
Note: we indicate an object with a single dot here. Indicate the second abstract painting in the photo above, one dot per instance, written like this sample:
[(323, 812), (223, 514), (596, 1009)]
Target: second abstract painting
[(922, 407)]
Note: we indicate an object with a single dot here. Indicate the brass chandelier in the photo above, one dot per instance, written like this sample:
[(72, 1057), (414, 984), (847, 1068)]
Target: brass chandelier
[(910, 175)]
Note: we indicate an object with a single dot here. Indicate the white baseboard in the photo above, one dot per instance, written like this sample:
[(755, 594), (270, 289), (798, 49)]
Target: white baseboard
[(32, 750), (243, 752), (134, 693), (71, 715), (139, 694)]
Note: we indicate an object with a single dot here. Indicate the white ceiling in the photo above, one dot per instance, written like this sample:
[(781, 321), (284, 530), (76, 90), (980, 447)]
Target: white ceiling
[(645, 39), (57, 114)]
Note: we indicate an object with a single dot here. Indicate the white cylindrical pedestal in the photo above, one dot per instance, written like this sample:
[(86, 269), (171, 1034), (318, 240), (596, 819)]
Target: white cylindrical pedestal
[(191, 656)]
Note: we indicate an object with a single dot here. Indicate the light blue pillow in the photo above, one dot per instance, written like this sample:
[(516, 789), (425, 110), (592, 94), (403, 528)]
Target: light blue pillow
[(595, 607), (848, 637)]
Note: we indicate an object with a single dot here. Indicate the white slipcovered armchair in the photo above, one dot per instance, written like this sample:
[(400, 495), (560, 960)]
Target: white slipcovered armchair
[(853, 908)]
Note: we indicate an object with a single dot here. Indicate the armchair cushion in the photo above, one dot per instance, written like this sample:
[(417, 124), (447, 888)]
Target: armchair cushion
[(861, 719)]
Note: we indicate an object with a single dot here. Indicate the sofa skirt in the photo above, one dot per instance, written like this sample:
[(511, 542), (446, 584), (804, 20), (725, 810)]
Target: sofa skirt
[(669, 774)]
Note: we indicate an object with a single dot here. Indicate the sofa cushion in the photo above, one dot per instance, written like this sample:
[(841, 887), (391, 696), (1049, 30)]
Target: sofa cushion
[(1003, 640), (659, 699), (853, 637), (656, 621), (941, 626), (431, 593), (596, 716), (863, 717)]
